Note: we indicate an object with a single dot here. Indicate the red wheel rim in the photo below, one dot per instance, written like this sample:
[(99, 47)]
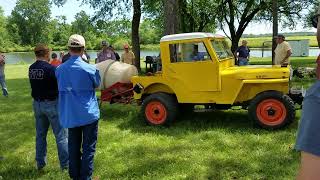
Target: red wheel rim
[(271, 112), (155, 112)]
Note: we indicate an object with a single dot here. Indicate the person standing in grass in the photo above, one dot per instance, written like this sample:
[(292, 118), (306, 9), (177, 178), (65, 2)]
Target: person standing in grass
[(79, 110), (44, 91), (308, 138), (55, 61), (243, 54), (282, 51), (106, 53), (128, 56), (2, 76)]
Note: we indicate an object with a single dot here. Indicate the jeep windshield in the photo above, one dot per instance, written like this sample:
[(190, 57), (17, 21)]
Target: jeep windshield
[(222, 49)]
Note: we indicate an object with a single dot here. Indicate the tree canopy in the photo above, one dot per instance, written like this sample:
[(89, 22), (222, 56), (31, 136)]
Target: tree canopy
[(30, 21), (119, 21)]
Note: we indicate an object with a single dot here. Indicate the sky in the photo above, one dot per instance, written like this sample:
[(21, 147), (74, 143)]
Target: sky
[(72, 7)]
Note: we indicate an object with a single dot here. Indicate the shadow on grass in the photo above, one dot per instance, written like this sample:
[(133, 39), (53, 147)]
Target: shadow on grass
[(19, 171), (26, 170), (17, 124), (231, 120)]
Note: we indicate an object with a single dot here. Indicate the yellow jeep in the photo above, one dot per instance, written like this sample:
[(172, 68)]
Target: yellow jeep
[(199, 69)]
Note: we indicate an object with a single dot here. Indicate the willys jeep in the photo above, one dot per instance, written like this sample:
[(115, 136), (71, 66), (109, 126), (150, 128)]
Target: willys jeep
[(199, 69)]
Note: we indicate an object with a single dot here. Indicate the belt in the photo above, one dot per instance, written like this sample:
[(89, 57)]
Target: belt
[(45, 99)]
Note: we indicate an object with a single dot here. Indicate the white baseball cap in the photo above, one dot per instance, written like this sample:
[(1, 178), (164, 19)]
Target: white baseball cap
[(76, 40)]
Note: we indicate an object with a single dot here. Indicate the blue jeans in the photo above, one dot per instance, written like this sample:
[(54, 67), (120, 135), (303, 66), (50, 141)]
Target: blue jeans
[(3, 85), (243, 61), (46, 113), (81, 164)]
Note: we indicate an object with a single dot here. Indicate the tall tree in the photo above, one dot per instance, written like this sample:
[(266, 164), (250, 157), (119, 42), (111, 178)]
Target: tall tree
[(171, 16), (135, 31), (191, 16), (198, 15), (82, 23), (274, 26), (60, 30), (31, 18), (237, 14), (106, 9), (4, 40)]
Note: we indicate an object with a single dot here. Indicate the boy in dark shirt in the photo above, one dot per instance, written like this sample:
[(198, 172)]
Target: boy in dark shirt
[(45, 93)]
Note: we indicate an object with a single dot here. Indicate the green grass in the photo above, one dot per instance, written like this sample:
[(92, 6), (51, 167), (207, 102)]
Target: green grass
[(211, 145), (294, 61), (252, 43), (257, 42)]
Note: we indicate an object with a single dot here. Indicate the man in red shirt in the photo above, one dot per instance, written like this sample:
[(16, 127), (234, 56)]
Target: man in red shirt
[(55, 61)]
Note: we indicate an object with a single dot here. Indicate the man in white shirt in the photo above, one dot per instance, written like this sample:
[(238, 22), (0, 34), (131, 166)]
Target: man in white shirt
[(282, 52)]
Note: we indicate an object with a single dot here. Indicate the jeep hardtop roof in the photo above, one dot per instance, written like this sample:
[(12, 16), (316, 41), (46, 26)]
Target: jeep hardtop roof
[(185, 36)]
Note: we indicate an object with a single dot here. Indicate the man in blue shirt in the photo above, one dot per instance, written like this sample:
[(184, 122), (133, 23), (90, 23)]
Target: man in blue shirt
[(308, 138), (78, 106), (243, 54), (44, 91)]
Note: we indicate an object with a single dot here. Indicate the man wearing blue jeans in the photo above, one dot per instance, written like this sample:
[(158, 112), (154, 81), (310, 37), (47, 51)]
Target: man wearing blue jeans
[(243, 54), (45, 93), (2, 76), (79, 110)]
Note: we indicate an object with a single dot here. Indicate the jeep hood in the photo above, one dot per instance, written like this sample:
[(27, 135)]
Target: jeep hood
[(257, 72)]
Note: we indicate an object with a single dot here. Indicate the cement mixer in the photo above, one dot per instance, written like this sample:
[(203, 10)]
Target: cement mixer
[(112, 72)]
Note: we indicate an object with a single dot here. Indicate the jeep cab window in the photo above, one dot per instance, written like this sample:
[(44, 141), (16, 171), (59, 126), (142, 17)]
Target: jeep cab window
[(188, 52), (222, 49)]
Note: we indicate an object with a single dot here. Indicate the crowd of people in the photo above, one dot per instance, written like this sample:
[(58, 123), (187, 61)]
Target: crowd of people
[(74, 118)]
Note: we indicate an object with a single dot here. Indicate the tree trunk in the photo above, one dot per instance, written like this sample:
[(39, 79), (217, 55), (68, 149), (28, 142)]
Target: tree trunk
[(135, 32), (275, 26), (171, 16), (235, 44)]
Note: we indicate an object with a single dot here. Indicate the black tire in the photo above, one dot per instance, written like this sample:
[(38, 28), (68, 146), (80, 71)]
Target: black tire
[(159, 109), (272, 104)]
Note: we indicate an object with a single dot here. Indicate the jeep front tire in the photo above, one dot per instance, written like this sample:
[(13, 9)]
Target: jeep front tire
[(272, 110), (160, 109)]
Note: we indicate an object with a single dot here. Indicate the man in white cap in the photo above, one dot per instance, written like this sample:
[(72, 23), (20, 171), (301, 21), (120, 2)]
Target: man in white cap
[(79, 110)]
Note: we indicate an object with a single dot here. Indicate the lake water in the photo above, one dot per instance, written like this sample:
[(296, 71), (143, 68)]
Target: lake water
[(28, 57)]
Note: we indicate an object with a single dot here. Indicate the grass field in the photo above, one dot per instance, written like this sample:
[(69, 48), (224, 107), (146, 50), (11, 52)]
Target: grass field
[(257, 42), (211, 145)]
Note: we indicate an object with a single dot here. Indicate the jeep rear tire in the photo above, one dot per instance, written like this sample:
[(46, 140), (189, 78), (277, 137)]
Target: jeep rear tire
[(160, 109), (272, 110)]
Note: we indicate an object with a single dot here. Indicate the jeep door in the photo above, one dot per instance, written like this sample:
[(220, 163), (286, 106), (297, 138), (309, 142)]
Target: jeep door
[(192, 67)]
